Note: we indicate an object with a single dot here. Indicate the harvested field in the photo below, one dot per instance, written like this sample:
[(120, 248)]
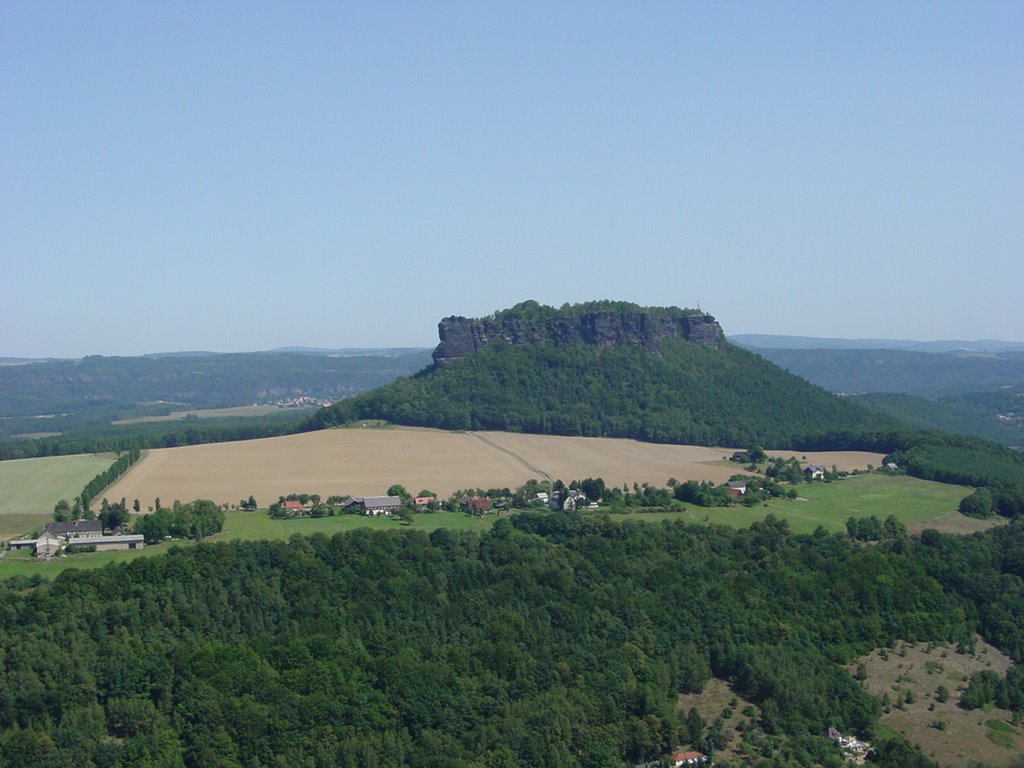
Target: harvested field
[(367, 461), (845, 461), (219, 413)]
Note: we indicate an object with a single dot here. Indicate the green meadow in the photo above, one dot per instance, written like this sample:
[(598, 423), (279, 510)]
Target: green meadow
[(825, 504), (30, 487), (831, 504)]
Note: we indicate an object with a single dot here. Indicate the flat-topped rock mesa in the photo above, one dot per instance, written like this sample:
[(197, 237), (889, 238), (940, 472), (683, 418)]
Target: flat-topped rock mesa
[(607, 324)]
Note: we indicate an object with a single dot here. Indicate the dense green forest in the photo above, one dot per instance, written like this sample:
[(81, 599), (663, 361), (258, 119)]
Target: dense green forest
[(685, 393), (549, 641), (996, 416), (116, 437)]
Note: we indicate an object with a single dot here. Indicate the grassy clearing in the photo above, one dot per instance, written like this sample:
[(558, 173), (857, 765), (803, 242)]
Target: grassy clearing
[(956, 523), (30, 487), (738, 714), (965, 735), (912, 501)]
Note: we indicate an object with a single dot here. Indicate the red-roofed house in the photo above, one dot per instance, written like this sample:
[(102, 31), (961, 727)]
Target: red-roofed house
[(476, 505)]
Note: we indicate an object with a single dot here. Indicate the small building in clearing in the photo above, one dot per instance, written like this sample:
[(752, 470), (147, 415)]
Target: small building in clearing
[(814, 471), (737, 487)]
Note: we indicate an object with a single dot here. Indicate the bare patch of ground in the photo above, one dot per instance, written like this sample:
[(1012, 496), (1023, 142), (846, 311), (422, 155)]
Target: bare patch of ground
[(367, 461), (951, 736), (954, 522)]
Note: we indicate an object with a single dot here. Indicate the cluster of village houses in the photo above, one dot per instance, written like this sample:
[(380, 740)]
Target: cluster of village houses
[(572, 499), (57, 537), (374, 506)]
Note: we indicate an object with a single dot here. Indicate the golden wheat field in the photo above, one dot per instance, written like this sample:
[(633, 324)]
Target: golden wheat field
[(365, 462)]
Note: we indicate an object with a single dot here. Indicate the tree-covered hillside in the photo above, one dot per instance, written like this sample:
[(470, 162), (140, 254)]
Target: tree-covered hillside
[(549, 642), (996, 416), (70, 406), (683, 393), (120, 384), (926, 374)]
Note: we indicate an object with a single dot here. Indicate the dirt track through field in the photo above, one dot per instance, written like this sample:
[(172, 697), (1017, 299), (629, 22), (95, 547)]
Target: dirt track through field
[(514, 455), (366, 462)]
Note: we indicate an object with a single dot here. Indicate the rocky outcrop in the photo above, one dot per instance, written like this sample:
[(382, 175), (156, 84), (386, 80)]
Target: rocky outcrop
[(532, 324)]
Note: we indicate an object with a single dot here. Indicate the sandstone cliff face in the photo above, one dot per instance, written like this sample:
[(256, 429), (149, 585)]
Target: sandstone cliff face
[(461, 337)]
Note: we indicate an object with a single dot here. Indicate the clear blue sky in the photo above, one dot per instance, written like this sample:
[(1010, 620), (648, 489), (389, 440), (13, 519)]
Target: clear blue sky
[(238, 176)]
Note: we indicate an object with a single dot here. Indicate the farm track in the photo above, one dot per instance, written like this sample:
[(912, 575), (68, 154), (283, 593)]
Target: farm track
[(531, 467), (366, 461)]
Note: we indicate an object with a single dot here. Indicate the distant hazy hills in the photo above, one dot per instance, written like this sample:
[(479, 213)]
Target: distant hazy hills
[(601, 368), (967, 387), (765, 341), (607, 369), (927, 374), (318, 351), (84, 397)]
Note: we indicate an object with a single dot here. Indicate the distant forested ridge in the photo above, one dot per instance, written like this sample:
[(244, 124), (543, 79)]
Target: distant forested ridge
[(996, 415), (926, 374), (552, 642), (977, 391), (69, 406), (203, 381), (115, 438), (655, 386)]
